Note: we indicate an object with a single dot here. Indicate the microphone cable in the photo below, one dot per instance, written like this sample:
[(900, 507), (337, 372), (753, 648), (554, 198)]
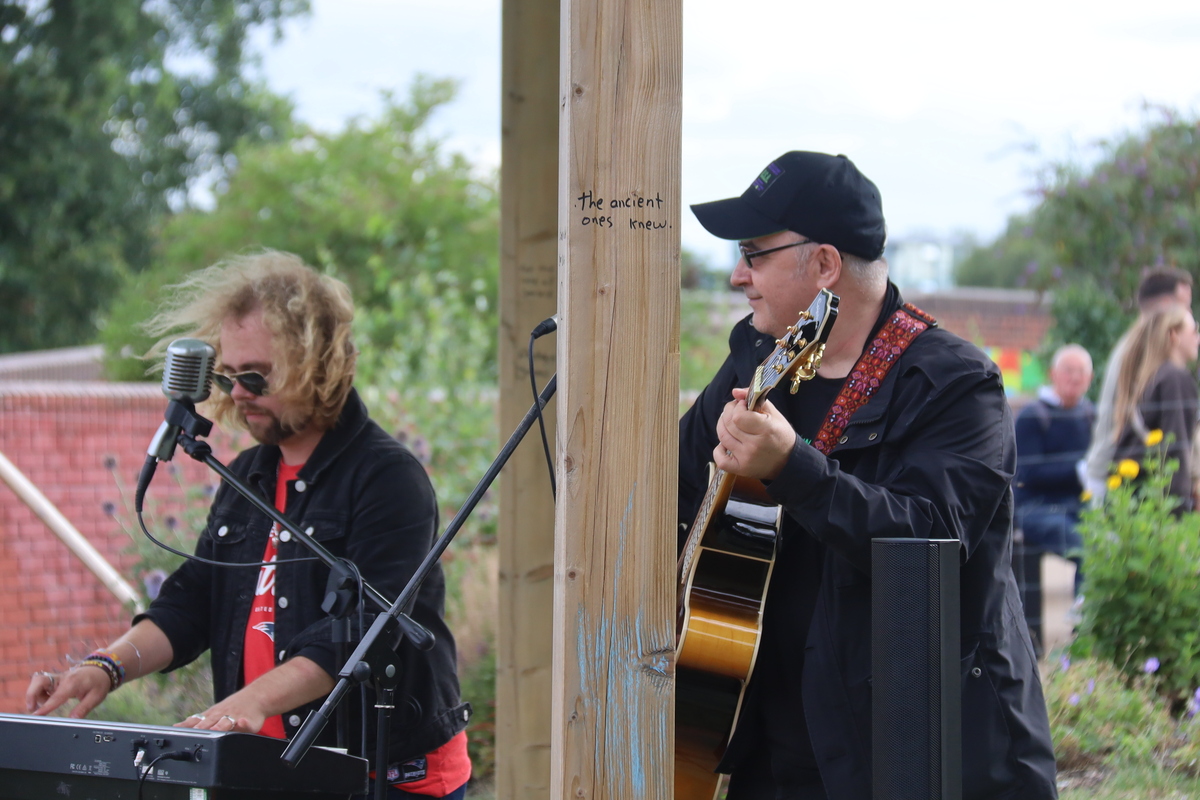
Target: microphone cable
[(203, 560), (544, 327)]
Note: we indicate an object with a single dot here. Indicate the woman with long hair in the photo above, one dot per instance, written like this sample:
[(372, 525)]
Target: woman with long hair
[(1156, 391)]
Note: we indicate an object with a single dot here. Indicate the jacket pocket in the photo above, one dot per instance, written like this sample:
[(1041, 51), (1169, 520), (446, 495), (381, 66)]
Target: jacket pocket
[(324, 526), (986, 742), (227, 531)]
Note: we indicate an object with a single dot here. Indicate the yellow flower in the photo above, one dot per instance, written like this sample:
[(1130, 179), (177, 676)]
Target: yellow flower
[(1154, 437), (1128, 468), (1114, 482), (1085, 495)]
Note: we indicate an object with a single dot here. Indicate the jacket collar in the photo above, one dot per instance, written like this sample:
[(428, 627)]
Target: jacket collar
[(350, 422)]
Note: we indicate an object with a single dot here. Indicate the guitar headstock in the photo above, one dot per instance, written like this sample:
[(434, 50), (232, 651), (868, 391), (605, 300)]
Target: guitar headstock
[(799, 352)]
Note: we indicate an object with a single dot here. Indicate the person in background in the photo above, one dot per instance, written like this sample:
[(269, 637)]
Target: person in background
[(1053, 433), (1157, 392), (285, 364), (1159, 287)]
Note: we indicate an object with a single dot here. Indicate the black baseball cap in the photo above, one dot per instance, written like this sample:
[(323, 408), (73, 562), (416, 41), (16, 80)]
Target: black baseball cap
[(817, 195)]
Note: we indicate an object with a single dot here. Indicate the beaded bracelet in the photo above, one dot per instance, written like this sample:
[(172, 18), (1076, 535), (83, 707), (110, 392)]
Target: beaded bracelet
[(107, 661)]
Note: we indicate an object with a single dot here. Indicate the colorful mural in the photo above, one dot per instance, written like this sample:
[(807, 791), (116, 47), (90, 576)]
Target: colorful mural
[(1023, 372)]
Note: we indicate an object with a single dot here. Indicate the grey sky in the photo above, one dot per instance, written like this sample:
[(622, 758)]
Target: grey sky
[(949, 107)]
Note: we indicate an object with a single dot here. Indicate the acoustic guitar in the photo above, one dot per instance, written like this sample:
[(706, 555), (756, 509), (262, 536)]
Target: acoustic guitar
[(724, 572)]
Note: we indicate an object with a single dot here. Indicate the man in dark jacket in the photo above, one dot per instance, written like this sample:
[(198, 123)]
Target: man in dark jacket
[(285, 360), (903, 432)]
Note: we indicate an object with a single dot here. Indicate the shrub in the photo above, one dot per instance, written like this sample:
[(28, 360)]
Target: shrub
[(1142, 558), (1096, 711)]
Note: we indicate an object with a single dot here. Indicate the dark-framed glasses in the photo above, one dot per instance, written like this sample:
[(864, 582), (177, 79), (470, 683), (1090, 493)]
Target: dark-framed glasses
[(750, 255), (253, 382)]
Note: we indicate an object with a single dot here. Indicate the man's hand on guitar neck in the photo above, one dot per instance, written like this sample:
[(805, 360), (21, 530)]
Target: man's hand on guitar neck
[(755, 443)]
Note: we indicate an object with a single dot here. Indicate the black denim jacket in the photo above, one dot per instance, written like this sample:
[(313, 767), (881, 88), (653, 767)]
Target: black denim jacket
[(365, 498)]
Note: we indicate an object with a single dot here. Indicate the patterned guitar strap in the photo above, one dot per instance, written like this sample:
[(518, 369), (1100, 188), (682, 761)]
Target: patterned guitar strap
[(892, 339)]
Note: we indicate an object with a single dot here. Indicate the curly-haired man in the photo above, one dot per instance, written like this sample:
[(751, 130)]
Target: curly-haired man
[(285, 363)]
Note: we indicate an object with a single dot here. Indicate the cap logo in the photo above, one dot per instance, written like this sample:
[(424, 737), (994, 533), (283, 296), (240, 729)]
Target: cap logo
[(766, 178)]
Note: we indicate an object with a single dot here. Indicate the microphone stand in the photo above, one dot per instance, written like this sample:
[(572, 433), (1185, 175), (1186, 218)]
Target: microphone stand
[(375, 656)]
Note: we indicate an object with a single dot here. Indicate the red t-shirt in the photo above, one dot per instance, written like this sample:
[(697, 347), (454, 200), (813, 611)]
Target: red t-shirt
[(259, 651), (437, 774)]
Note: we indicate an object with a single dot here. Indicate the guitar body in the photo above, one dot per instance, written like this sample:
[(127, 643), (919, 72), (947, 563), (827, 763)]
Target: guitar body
[(719, 626), (724, 572)]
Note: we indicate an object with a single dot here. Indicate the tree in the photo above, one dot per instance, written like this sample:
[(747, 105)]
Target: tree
[(1095, 229), (413, 231), (98, 135), (1137, 207)]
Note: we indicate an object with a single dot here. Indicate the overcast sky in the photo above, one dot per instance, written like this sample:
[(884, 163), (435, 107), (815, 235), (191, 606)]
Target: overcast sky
[(950, 107)]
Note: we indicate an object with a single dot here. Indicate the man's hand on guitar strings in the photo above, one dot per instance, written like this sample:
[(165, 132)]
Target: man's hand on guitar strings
[(754, 443)]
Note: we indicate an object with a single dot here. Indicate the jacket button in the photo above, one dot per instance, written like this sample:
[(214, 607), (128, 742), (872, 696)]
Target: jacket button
[(976, 672), (301, 486), (873, 437), (286, 536), (294, 720), (282, 602), (221, 531), (466, 715), (843, 440), (309, 530), (282, 654)]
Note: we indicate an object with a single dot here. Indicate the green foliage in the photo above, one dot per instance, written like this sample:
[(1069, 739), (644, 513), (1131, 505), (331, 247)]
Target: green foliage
[(477, 682), (705, 319), (1136, 207), (413, 231), (1083, 312), (1095, 712), (1142, 561), (98, 133)]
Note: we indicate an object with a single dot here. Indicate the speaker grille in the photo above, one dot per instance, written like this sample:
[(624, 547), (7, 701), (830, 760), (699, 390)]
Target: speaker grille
[(916, 717)]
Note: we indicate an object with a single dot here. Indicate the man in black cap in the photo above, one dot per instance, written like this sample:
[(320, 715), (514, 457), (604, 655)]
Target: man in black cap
[(904, 432)]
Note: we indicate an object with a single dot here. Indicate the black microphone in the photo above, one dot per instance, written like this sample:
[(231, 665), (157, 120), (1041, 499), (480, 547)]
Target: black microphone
[(187, 380), (547, 325)]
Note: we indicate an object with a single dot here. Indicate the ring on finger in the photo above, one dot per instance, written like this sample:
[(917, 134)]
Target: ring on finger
[(232, 721), (53, 678), (198, 716)]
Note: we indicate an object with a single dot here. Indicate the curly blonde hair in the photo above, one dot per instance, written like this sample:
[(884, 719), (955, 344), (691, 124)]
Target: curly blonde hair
[(307, 313)]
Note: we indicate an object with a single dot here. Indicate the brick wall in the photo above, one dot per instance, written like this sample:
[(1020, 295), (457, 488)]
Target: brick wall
[(82, 444), (1002, 318)]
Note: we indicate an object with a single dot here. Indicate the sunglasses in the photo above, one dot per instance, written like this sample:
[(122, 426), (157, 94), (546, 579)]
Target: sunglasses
[(253, 382)]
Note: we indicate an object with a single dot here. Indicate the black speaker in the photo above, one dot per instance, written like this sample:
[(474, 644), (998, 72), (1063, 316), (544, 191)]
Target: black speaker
[(916, 705)]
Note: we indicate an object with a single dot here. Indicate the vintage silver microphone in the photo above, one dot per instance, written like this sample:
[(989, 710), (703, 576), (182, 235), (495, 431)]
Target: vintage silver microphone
[(187, 380)]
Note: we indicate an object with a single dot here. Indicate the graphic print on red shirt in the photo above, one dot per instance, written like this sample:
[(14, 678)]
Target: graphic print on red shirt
[(259, 649)]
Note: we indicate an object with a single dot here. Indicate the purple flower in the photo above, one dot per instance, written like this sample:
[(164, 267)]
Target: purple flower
[(109, 508), (1065, 661), (153, 581), (1151, 665), (110, 462), (1073, 699), (1091, 685), (172, 522)]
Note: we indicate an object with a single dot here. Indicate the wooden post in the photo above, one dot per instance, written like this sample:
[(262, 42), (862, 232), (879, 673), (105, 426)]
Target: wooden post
[(618, 369), (528, 288)]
